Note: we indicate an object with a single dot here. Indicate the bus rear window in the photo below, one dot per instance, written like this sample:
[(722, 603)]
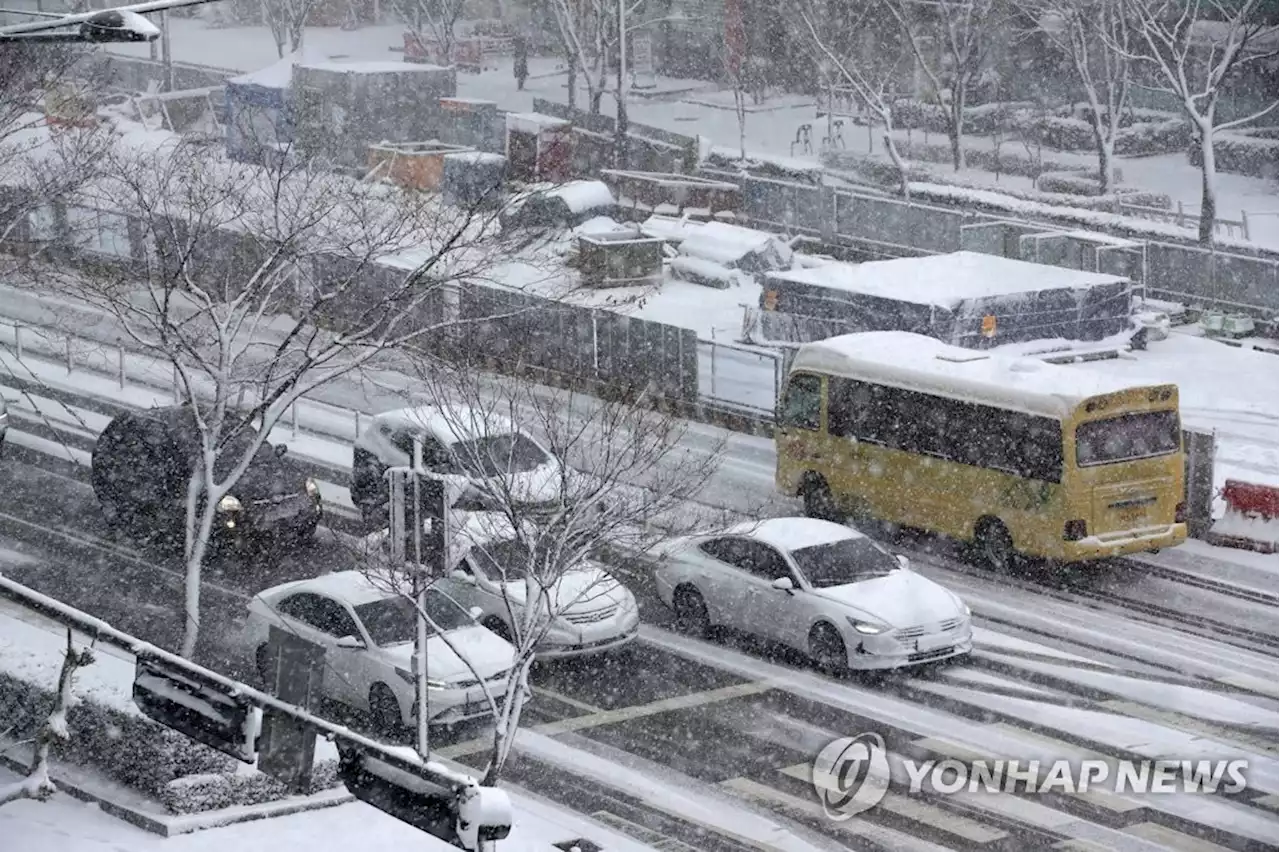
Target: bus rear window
[(1128, 437)]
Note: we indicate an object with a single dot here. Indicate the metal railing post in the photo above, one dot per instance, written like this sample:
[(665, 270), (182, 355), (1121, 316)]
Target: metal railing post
[(293, 415), (714, 395), (1244, 224), (68, 339), (17, 340), (120, 364)]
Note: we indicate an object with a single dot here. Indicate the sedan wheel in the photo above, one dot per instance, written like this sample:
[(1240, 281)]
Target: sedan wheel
[(384, 710), (691, 612), (826, 647)]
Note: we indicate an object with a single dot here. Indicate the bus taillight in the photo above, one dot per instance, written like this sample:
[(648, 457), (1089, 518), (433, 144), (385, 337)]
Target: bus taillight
[(1075, 530), (1180, 513)]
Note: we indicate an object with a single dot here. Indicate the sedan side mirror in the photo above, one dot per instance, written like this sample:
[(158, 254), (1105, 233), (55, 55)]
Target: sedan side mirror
[(463, 577), (476, 612), (281, 449), (784, 584), (350, 642)]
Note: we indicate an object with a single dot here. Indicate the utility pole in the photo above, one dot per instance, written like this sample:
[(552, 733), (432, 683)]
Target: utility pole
[(420, 600), (166, 50), (620, 123)]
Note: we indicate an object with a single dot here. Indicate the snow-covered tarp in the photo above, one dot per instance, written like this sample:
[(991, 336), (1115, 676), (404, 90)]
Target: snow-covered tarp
[(953, 297), (258, 110)]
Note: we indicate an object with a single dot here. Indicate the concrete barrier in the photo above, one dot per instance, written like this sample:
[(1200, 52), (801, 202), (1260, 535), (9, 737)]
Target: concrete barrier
[(1252, 521)]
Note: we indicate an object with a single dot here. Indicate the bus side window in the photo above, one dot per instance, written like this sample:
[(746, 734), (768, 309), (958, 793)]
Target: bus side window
[(802, 405)]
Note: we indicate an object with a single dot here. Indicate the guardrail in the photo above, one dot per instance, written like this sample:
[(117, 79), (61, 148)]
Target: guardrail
[(1185, 218)]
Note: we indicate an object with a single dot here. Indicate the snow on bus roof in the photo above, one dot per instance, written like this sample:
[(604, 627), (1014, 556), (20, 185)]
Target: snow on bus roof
[(945, 280), (909, 360)]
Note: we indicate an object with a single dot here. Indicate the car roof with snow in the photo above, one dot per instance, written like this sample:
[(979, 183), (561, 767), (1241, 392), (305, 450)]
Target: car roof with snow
[(789, 534), (918, 362), (351, 587), (457, 423)]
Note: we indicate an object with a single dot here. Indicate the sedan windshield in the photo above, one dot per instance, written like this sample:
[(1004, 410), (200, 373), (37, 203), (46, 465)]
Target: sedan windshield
[(499, 454), (502, 560), (850, 560), (394, 621)]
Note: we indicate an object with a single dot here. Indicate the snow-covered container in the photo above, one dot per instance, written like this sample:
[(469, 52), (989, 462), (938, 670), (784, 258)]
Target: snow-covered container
[(619, 259), (708, 273), (539, 147), (962, 298), (416, 165), (258, 112), (570, 204), (653, 191), (474, 179), (735, 247), (471, 122), (340, 108)]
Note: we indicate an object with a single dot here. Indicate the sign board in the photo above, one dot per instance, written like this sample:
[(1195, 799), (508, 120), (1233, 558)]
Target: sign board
[(989, 326), (294, 674), (209, 714), (643, 75)]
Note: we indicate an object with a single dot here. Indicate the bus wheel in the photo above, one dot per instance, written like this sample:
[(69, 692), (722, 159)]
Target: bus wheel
[(818, 502), (994, 545)]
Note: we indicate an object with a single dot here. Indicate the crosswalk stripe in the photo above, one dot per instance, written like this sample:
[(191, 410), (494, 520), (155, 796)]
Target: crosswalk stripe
[(1257, 685), (1175, 841), (879, 835), (1270, 800), (1108, 801), (1259, 740), (918, 811)]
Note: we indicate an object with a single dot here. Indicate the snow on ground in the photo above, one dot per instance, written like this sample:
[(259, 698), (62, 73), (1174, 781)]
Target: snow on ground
[(770, 128)]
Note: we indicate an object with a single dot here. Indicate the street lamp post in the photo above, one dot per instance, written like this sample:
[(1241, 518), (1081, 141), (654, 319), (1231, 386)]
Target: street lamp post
[(620, 124)]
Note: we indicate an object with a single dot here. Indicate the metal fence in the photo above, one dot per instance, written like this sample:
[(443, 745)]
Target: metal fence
[(741, 378)]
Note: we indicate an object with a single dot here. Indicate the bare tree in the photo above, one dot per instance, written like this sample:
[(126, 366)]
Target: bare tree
[(1096, 38), (626, 482), (951, 41), (287, 20), (257, 285), (37, 784), (51, 139), (432, 22), (870, 72), (583, 26), (1193, 49)]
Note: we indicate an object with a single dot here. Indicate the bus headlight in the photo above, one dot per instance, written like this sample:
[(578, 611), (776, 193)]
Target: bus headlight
[(229, 503)]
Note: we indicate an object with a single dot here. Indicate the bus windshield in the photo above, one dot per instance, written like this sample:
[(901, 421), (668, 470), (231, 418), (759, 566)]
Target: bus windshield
[(1127, 437)]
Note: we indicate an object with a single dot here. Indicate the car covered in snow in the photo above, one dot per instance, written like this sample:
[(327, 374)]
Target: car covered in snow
[(821, 588), (368, 633), (590, 612), (482, 457)]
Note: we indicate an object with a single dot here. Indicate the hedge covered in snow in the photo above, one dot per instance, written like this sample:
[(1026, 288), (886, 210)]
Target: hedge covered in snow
[(1238, 153), (129, 748)]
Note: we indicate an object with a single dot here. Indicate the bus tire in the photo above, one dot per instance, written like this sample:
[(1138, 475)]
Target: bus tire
[(818, 502), (993, 545)]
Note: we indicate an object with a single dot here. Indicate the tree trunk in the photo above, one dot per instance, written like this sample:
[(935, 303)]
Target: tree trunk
[(896, 158), (621, 124), (573, 82), (1106, 157), (197, 545), (1208, 184), (956, 128)]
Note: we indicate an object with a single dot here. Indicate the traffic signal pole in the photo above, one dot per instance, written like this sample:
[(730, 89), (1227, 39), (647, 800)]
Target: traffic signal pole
[(420, 598)]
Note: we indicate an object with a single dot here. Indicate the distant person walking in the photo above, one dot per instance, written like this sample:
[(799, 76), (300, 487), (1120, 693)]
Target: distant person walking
[(521, 69)]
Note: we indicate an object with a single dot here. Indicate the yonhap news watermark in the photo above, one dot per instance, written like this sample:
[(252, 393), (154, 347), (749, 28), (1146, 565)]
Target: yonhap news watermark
[(853, 775)]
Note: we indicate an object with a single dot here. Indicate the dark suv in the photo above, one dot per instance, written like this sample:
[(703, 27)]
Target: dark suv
[(143, 462)]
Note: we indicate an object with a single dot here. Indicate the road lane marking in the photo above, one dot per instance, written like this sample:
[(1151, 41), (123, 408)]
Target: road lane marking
[(1257, 685), (622, 714), (1270, 801), (1260, 740), (564, 699), (936, 818), (1172, 840)]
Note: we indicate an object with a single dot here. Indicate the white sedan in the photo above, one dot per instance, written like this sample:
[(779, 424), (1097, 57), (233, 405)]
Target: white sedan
[(819, 587), (590, 611), (368, 638)]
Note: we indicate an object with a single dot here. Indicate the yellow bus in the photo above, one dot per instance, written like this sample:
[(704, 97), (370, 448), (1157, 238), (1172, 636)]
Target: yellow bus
[(1014, 456)]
